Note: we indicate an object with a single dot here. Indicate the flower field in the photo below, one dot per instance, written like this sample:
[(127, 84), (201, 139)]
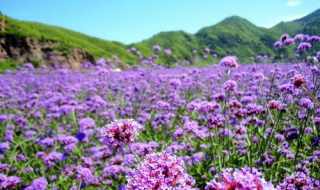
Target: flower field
[(226, 126)]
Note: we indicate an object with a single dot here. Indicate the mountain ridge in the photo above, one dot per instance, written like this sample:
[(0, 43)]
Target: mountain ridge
[(231, 36)]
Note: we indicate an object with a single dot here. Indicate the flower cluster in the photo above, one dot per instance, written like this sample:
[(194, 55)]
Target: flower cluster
[(9, 182), (156, 48), (299, 180), (120, 132), (244, 178), (160, 171), (229, 61)]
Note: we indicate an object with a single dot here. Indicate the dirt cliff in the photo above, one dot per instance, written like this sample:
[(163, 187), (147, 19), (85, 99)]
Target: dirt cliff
[(25, 49)]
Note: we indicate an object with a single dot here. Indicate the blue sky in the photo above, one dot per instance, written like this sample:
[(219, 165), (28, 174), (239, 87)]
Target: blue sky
[(130, 21)]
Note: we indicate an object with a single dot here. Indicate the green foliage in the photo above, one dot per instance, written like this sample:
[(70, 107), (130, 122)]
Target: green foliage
[(8, 65), (232, 36), (95, 46)]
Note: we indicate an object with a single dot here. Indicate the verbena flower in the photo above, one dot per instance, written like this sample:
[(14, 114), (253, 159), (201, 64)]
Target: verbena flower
[(315, 141), (229, 61), (299, 181), (298, 80), (167, 52), (244, 178), (86, 123), (156, 48), (38, 184), (230, 85), (10, 182), (288, 41), (307, 103), (299, 37), (284, 37), (120, 132), (304, 46), (160, 171), (313, 39)]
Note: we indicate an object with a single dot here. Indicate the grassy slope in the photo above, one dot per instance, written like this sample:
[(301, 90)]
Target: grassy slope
[(180, 43), (95, 46), (232, 36), (236, 36), (309, 24)]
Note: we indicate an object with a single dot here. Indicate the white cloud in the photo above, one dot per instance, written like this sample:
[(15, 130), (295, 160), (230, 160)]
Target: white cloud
[(293, 3), (270, 25), (285, 19), (294, 17)]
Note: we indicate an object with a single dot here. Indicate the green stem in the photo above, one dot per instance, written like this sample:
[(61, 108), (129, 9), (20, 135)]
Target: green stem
[(79, 187), (134, 153)]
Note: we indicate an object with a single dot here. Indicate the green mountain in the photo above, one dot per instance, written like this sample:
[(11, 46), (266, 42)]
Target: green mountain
[(66, 39), (179, 42), (236, 36), (231, 36), (309, 24)]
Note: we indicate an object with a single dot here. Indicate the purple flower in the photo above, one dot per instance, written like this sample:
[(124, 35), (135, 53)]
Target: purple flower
[(304, 46), (160, 171), (197, 157), (65, 140), (191, 126), (274, 104), (157, 48), (313, 39), (4, 147), (175, 83), (315, 141), (80, 136), (229, 61), (207, 50), (288, 41), (284, 37), (167, 52), (307, 103), (244, 178), (84, 173), (308, 130), (29, 66), (318, 55), (299, 37), (10, 182), (86, 123), (230, 85), (29, 134), (280, 137), (216, 120), (292, 133), (120, 132), (38, 184), (299, 181)]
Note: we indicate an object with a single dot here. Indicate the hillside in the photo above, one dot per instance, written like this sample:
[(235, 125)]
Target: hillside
[(231, 36), (67, 39), (234, 36), (309, 24), (179, 42)]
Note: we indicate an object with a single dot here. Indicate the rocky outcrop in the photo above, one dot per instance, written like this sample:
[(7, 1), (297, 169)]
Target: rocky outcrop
[(44, 52), (3, 25)]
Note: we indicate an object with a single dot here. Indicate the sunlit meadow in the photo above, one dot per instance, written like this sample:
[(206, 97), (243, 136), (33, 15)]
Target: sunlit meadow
[(228, 126)]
